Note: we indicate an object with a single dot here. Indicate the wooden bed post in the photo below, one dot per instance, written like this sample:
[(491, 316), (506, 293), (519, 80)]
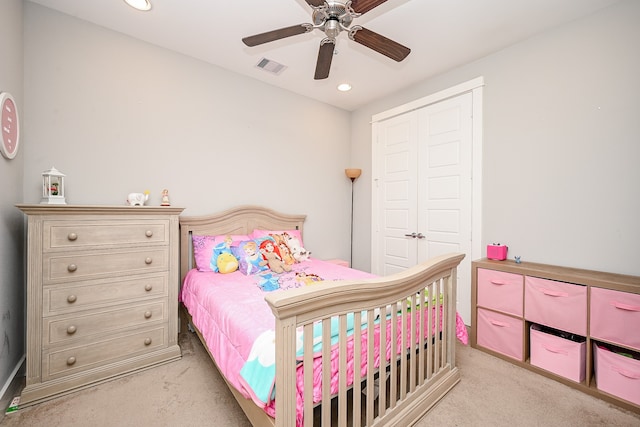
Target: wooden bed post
[(286, 372)]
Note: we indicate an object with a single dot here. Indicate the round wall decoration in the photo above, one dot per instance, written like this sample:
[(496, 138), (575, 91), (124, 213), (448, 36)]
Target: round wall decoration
[(10, 130)]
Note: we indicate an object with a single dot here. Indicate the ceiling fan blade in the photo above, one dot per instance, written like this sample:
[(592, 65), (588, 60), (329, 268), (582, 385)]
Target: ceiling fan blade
[(363, 6), (316, 3), (325, 56), (281, 33), (379, 43)]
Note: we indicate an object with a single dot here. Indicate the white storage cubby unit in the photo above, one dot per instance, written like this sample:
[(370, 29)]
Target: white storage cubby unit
[(579, 327)]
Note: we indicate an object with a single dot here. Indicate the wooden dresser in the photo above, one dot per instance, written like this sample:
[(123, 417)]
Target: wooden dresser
[(102, 294)]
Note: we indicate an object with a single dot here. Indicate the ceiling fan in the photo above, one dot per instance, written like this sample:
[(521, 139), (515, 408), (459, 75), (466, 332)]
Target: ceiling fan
[(332, 17)]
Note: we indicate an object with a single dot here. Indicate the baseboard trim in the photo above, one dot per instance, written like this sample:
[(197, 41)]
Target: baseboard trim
[(12, 387)]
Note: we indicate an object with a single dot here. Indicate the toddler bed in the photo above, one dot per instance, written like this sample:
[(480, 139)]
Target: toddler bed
[(264, 328)]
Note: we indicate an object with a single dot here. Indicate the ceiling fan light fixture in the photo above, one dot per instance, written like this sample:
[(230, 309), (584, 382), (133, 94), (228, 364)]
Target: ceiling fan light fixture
[(143, 5), (332, 28), (344, 87)]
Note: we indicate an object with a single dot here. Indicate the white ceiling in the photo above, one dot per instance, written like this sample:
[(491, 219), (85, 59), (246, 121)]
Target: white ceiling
[(442, 34)]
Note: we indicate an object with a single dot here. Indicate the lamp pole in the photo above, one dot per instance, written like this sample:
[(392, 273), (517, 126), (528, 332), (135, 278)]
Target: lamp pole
[(352, 174), (351, 241)]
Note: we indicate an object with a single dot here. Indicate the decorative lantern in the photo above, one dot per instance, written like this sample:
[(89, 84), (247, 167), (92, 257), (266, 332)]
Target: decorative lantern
[(53, 187)]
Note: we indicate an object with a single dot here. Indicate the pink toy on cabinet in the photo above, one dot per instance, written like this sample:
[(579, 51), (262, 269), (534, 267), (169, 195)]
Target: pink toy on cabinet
[(497, 251)]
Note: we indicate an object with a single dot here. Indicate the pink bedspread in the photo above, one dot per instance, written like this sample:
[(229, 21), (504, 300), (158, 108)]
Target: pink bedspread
[(230, 310), (231, 313)]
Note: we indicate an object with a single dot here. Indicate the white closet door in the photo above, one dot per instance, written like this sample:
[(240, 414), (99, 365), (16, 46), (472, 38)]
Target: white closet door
[(396, 184), (444, 177), (445, 186), (423, 189)]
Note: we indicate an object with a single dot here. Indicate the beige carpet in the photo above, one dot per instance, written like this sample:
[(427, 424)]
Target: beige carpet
[(190, 392)]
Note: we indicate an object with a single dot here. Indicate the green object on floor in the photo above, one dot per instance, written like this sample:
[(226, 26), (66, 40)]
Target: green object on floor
[(13, 406)]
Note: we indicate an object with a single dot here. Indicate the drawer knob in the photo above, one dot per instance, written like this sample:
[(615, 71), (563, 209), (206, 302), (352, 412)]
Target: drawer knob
[(71, 361), (148, 287), (148, 260), (147, 341), (72, 268), (72, 298), (148, 233), (72, 236), (147, 314), (71, 330)]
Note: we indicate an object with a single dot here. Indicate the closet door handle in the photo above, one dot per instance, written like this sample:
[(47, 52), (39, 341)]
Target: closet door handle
[(415, 235)]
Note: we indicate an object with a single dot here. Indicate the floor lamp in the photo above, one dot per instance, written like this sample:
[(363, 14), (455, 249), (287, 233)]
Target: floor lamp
[(352, 174)]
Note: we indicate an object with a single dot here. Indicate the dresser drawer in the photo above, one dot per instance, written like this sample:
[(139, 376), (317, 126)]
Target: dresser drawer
[(92, 265), (615, 317), (500, 291), (57, 329), (556, 304), (66, 299), (67, 361), (500, 333), (59, 234)]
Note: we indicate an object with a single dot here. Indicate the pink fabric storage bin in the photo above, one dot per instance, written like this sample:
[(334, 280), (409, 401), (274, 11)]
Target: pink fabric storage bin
[(500, 291), (556, 304), (558, 355), (616, 374), (500, 333), (615, 317)]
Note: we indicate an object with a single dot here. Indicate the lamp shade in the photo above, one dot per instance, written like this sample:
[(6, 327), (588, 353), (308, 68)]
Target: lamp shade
[(353, 173)]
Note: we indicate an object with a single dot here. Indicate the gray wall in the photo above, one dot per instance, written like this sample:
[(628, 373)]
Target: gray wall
[(11, 220), (118, 115), (561, 182)]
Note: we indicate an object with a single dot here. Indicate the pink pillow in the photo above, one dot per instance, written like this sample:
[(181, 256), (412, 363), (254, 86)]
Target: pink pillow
[(203, 249)]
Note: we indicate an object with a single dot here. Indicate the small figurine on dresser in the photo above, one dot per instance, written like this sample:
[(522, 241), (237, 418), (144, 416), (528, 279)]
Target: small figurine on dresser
[(165, 198)]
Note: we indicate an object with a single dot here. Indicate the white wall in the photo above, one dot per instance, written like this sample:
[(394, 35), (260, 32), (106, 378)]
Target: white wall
[(118, 115), (561, 182), (11, 219)]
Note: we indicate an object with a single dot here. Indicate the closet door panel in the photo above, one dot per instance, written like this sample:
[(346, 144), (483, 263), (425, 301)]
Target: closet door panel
[(444, 185), (396, 214)]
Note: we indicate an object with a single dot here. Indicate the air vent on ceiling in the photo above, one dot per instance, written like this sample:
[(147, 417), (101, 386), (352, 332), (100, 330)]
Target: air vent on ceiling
[(271, 66)]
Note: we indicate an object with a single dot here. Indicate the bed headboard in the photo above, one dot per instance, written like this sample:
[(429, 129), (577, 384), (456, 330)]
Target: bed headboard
[(240, 220)]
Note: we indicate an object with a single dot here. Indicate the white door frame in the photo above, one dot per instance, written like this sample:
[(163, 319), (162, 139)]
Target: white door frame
[(475, 86)]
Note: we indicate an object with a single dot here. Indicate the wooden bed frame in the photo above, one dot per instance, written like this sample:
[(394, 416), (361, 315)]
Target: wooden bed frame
[(417, 380)]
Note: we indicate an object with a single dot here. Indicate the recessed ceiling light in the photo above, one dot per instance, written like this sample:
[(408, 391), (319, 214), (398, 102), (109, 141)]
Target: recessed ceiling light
[(344, 87), (143, 5)]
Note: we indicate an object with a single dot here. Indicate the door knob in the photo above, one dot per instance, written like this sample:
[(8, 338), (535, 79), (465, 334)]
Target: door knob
[(412, 235), (420, 236)]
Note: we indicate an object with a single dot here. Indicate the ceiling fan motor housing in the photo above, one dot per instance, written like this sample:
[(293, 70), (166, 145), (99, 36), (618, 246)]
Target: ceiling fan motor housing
[(333, 17)]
